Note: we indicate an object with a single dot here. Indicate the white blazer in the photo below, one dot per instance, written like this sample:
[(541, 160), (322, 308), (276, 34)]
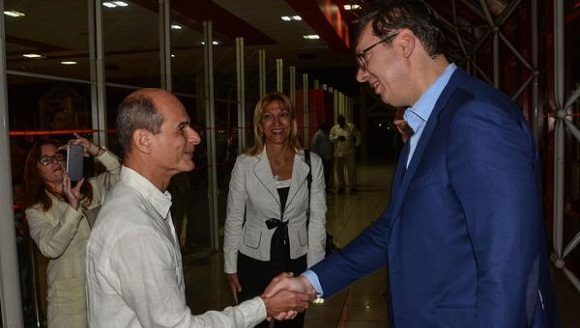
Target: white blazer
[(253, 199)]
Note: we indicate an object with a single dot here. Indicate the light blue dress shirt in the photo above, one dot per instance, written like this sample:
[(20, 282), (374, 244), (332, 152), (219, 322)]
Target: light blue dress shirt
[(416, 116)]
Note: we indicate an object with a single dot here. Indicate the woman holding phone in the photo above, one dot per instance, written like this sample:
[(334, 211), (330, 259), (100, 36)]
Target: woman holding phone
[(58, 214)]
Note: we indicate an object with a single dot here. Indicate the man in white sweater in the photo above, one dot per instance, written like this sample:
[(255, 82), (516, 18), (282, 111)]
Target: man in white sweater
[(134, 267)]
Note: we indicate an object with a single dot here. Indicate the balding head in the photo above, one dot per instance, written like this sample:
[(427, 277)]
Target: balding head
[(139, 110)]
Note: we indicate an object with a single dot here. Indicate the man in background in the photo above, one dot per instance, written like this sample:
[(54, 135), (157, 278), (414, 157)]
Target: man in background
[(323, 147), (345, 137), (133, 264)]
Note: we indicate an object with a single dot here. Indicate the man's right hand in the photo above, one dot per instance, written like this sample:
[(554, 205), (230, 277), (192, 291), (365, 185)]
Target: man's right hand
[(234, 285), (286, 281), (285, 284)]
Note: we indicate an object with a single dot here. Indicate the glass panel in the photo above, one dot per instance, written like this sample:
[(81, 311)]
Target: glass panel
[(252, 91), (190, 211), (52, 34), (187, 58), (226, 119), (131, 42)]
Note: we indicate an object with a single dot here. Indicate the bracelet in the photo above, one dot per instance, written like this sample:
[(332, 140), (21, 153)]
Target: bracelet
[(99, 148)]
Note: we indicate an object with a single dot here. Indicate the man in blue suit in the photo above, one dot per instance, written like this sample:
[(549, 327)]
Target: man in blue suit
[(463, 236)]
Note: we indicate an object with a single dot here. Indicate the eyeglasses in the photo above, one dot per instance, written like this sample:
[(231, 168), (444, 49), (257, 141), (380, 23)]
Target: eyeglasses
[(47, 160), (361, 56)]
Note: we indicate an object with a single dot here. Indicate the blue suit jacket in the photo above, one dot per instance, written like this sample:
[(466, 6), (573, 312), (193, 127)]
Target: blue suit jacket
[(463, 236)]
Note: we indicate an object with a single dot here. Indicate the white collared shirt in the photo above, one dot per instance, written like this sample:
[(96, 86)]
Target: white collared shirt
[(134, 268)]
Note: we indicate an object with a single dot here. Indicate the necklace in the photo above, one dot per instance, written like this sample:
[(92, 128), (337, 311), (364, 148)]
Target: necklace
[(55, 195)]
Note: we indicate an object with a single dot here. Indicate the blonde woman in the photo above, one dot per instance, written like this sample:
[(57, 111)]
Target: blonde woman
[(268, 229)]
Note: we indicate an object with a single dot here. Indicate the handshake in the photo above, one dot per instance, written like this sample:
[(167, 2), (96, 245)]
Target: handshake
[(285, 296)]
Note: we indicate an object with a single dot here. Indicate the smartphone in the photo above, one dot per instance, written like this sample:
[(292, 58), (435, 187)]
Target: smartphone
[(74, 162)]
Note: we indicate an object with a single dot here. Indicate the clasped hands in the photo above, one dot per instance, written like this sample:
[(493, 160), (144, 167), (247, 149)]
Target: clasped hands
[(285, 296)]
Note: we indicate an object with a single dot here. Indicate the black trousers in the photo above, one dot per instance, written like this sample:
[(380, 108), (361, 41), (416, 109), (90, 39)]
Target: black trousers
[(255, 275)]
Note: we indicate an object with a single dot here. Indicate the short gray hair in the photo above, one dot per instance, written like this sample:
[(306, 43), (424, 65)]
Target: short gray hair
[(136, 112)]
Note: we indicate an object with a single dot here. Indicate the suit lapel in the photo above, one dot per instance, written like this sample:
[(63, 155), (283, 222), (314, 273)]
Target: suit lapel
[(299, 173), (263, 173), (409, 174)]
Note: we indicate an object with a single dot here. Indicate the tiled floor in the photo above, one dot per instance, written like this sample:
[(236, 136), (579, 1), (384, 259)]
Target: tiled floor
[(363, 304)]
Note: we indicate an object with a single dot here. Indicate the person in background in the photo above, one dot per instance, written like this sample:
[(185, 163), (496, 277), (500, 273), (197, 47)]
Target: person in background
[(134, 265), (345, 138), (267, 229), (58, 214), (323, 147), (463, 236)]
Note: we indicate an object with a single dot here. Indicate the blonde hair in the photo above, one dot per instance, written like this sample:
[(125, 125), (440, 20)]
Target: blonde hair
[(259, 138)]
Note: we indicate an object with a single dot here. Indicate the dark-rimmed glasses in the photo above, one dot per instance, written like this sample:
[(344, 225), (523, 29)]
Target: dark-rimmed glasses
[(47, 160), (361, 56)]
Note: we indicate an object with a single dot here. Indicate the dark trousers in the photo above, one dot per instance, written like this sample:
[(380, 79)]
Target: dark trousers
[(327, 165), (255, 275)]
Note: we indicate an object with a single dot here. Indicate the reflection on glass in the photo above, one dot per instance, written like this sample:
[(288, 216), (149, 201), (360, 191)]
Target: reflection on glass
[(41, 35), (131, 42)]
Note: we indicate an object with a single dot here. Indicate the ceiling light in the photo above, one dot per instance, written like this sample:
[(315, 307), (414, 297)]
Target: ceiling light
[(351, 7), (172, 55), (114, 4), (311, 37), (291, 18), (70, 62), (13, 13), (215, 43), (34, 56), (176, 27)]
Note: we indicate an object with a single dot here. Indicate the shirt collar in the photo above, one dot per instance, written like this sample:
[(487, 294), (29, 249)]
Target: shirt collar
[(421, 110), (161, 201)]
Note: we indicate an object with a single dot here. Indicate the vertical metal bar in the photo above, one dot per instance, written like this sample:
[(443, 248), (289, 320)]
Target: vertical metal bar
[(559, 129), (538, 114), (306, 109), (558, 187), (97, 73), (10, 298), (210, 127), (279, 74), (496, 72), (293, 85), (241, 85), (335, 104), (316, 84), (262, 71), (165, 43)]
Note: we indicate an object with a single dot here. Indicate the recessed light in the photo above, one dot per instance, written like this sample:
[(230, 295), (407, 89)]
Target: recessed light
[(14, 13), (68, 62), (34, 56), (311, 37), (176, 27), (215, 43), (291, 18), (351, 7), (114, 4), (172, 55)]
